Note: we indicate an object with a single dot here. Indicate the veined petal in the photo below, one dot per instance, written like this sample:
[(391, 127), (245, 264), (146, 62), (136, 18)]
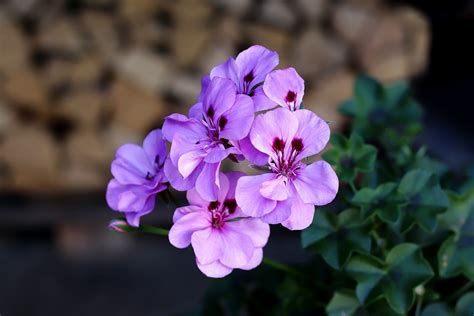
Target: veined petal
[(301, 215), (255, 261), (256, 62), (227, 70), (176, 179), (251, 153), (248, 195), (260, 100), (312, 131), (214, 269), (189, 128), (280, 213), (155, 147), (189, 221), (131, 164), (207, 183), (317, 183), (277, 124), (275, 189), (207, 245), (285, 87), (219, 98), (238, 119), (257, 230), (217, 153), (189, 161), (237, 248)]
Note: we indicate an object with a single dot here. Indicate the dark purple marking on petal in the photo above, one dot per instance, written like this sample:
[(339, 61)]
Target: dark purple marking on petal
[(222, 122), (297, 144), (210, 112), (213, 205), (290, 97), (230, 205), (278, 144), (249, 77), (149, 176)]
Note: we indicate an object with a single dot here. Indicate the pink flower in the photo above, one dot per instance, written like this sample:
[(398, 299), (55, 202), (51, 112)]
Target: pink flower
[(222, 238), (285, 87), (288, 193)]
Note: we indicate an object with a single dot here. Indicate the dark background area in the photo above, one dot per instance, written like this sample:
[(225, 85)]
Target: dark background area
[(102, 272)]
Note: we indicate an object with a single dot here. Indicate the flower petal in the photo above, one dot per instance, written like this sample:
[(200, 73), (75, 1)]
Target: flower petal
[(238, 118), (248, 195), (257, 61), (205, 80), (255, 261), (313, 132), (196, 111), (285, 87), (207, 245), (190, 220), (131, 165), (227, 70), (189, 161), (189, 128), (260, 100), (237, 248), (301, 215), (251, 153), (207, 183), (214, 269), (155, 147), (176, 179), (232, 178), (275, 189), (257, 230), (317, 183), (280, 213), (195, 199), (217, 153), (219, 98), (279, 123)]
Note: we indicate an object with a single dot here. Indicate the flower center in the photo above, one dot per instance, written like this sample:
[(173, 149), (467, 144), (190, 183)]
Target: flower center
[(291, 100), (286, 165), (220, 212)]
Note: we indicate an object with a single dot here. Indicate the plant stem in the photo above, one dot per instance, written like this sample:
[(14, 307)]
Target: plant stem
[(153, 230), (419, 303), (352, 185), (282, 267), (380, 241), (459, 292)]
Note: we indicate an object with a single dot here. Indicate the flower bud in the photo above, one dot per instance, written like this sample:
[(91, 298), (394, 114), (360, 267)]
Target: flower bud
[(119, 225)]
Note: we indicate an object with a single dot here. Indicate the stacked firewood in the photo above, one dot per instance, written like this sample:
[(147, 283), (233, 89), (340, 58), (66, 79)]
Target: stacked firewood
[(79, 78)]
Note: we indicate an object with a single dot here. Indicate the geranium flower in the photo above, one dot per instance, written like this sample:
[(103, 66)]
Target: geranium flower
[(247, 71), (202, 141), (138, 177), (288, 193), (222, 237), (285, 87)]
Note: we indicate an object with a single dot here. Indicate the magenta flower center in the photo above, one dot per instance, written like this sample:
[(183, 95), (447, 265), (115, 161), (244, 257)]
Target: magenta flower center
[(286, 163), (247, 88), (213, 128), (220, 212), (291, 100)]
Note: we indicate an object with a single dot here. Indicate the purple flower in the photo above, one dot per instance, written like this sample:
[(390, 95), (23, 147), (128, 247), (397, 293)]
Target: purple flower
[(285, 87), (247, 72), (202, 141), (221, 237), (289, 192), (138, 177)]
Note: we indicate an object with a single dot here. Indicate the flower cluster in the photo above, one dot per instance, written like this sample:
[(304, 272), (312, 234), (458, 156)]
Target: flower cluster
[(246, 111)]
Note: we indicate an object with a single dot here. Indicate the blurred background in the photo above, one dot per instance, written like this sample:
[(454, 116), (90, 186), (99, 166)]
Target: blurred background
[(80, 77)]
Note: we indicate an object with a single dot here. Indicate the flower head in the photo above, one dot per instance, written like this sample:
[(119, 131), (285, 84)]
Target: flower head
[(138, 177), (285, 87), (202, 141), (248, 71), (288, 193), (222, 238)]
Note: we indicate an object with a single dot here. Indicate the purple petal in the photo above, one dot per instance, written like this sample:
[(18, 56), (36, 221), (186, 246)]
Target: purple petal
[(196, 111), (237, 248), (280, 213), (189, 128), (257, 230), (248, 195), (279, 123), (155, 146), (195, 199), (256, 62), (285, 87), (227, 70), (207, 245), (251, 153), (217, 153), (224, 186), (205, 80), (214, 269), (239, 119), (176, 179), (260, 100), (189, 161), (301, 215), (275, 189), (219, 98), (255, 260), (131, 165), (317, 183), (186, 225), (180, 146), (312, 131), (207, 183), (232, 178)]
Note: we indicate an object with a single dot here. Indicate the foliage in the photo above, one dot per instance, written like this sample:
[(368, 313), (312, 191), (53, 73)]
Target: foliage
[(398, 239)]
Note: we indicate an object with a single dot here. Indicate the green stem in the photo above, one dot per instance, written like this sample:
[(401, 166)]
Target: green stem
[(352, 185), (459, 292), (419, 303), (153, 230), (380, 241), (282, 267)]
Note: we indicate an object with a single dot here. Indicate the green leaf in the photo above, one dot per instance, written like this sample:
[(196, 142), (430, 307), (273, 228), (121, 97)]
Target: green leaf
[(336, 237), (394, 279), (343, 303), (350, 156), (367, 92), (382, 201), (348, 108), (437, 309), (456, 255), (425, 198), (465, 305)]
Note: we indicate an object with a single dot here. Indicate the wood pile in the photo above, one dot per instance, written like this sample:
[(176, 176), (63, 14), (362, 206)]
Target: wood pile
[(79, 78)]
